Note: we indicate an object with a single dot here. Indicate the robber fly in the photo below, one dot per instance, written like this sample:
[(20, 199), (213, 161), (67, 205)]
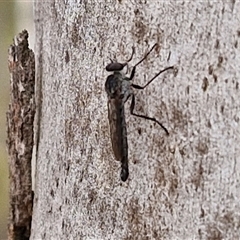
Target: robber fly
[(119, 89)]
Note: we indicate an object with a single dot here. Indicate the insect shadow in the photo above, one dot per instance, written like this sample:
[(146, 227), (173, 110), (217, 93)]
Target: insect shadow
[(119, 89)]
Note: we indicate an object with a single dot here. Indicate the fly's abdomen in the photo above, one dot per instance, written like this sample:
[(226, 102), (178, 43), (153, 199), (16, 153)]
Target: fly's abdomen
[(118, 133)]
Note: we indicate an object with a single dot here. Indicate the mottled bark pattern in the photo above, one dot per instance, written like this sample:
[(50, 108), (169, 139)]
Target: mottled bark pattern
[(20, 119)]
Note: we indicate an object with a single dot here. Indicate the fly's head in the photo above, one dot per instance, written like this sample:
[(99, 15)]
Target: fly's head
[(115, 66)]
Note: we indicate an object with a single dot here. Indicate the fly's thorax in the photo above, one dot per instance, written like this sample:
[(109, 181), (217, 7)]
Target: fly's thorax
[(126, 89), (113, 84)]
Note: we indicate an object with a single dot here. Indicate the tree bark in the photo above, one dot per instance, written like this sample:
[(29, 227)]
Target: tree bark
[(184, 186), (20, 122)]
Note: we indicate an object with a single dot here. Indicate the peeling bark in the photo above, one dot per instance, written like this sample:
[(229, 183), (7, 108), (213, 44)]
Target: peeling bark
[(20, 117)]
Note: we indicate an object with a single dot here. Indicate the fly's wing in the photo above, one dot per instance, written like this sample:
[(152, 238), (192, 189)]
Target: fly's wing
[(118, 129)]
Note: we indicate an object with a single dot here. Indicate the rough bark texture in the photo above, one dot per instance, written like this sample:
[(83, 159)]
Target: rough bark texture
[(20, 119), (185, 186)]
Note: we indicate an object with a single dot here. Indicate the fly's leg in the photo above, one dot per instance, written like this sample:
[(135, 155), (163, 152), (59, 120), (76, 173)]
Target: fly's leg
[(133, 51), (134, 68), (142, 87), (146, 55), (145, 117)]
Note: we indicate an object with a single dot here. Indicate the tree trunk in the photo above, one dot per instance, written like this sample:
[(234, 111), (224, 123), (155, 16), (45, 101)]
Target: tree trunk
[(181, 186)]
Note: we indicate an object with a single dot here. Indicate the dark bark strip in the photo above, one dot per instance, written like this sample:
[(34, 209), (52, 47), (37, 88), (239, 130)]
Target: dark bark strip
[(20, 118)]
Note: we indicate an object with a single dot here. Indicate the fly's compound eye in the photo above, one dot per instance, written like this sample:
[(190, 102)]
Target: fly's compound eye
[(115, 66)]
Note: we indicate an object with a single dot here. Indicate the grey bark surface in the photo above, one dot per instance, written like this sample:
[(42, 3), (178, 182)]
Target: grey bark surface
[(184, 186)]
